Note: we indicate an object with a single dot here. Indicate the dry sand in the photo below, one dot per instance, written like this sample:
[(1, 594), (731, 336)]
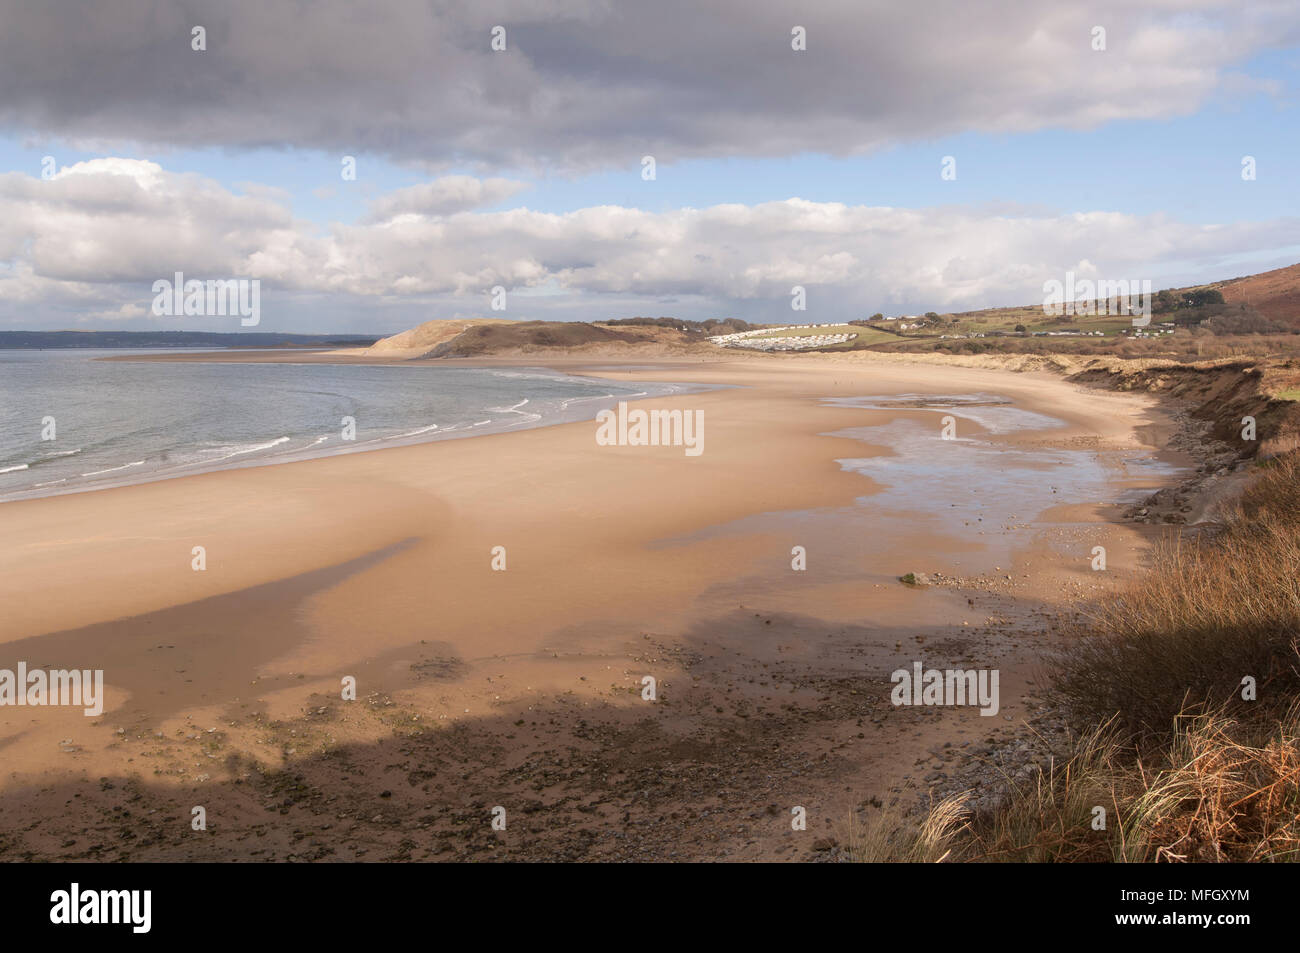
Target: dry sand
[(522, 688)]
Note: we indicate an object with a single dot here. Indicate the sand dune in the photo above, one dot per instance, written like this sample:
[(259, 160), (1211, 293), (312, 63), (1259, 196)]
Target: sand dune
[(420, 340)]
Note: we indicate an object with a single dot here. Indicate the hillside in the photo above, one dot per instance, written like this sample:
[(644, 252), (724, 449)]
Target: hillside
[(1274, 294), (420, 340), (1187, 323), (481, 337)]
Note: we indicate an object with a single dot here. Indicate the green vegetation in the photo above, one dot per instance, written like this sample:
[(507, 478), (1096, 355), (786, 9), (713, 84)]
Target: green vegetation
[(711, 326), (1176, 300), (1179, 312)]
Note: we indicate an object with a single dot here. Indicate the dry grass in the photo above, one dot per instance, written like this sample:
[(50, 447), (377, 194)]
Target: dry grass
[(1182, 346), (890, 836), (1220, 798), (1050, 817), (1208, 795), (1209, 614), (1185, 768)]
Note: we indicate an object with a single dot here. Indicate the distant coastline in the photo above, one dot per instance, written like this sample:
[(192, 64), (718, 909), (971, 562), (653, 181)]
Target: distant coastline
[(37, 340)]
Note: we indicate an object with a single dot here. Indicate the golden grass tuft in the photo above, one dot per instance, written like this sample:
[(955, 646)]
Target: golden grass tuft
[(889, 835), (1207, 796)]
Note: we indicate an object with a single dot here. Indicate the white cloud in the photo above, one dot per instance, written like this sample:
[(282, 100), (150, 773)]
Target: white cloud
[(114, 219), (98, 234), (444, 196)]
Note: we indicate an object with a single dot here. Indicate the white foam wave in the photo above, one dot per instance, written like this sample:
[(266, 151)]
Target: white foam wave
[(125, 466), (413, 433), (238, 450)]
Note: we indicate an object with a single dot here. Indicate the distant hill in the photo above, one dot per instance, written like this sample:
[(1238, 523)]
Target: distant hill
[(1263, 303), (1274, 294), (484, 337), (419, 341), (144, 339), (528, 336)]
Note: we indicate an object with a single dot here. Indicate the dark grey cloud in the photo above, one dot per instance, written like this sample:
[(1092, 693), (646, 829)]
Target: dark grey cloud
[(585, 83)]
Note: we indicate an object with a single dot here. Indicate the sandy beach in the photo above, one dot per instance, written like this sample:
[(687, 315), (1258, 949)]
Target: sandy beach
[(522, 688)]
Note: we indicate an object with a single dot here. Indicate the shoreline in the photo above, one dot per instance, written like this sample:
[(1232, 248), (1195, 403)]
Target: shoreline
[(425, 435), (377, 566)]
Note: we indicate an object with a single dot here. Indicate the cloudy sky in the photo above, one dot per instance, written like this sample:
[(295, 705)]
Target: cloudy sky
[(127, 155)]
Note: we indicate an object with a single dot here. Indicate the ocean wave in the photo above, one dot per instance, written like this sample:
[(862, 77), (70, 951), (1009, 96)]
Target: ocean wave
[(173, 440), (49, 456), (237, 450), (564, 404), (533, 376), (413, 433), (454, 427), (125, 466)]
